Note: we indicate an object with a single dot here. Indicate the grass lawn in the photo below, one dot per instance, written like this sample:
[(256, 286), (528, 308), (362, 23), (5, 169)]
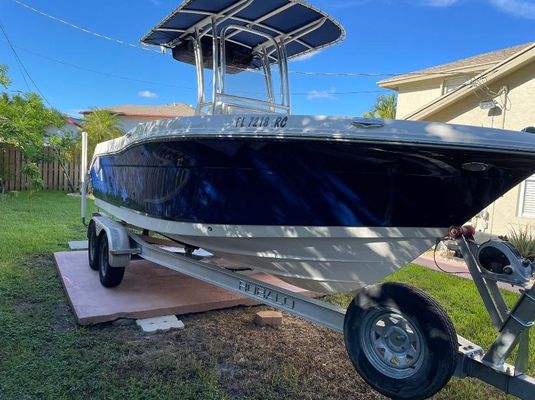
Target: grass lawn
[(220, 355)]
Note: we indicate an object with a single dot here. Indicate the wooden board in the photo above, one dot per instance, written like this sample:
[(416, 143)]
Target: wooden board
[(54, 177), (147, 291)]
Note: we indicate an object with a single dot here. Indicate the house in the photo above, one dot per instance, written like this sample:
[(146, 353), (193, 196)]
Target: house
[(131, 116), (71, 129), (495, 90)]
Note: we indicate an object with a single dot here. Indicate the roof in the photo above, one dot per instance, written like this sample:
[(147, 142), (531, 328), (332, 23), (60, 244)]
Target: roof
[(473, 64), (71, 128), (76, 122), (300, 26), (520, 59), (163, 111)]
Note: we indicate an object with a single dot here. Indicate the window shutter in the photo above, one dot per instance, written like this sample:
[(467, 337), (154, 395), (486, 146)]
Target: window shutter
[(528, 202)]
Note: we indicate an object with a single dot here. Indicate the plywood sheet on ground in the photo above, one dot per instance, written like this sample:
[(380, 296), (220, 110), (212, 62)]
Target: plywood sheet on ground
[(148, 290)]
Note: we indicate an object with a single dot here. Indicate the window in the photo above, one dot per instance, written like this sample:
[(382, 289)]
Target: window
[(452, 84), (527, 198)]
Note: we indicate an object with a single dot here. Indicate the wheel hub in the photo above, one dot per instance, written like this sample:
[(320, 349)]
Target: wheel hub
[(392, 343), (397, 339)]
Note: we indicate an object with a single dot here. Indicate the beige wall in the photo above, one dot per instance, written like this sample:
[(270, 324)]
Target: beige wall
[(503, 214), (413, 96), (520, 113)]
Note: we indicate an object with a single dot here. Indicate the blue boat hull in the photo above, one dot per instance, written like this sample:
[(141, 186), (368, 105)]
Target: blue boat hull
[(268, 181)]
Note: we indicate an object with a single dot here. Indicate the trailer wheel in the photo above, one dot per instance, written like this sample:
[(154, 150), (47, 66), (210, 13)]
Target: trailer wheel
[(92, 250), (109, 276), (401, 341)]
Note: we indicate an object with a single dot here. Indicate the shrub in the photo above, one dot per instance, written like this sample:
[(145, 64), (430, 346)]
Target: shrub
[(523, 238)]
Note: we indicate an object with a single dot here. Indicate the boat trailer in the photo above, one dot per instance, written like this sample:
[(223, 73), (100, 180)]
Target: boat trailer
[(113, 244)]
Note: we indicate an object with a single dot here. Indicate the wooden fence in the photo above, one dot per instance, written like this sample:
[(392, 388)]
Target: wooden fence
[(56, 175)]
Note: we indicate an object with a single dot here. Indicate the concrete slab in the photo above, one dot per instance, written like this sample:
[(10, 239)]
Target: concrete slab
[(165, 323), (147, 291), (455, 268), (79, 245)]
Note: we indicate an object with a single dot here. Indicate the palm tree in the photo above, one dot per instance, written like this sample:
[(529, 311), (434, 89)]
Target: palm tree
[(101, 125), (384, 107)]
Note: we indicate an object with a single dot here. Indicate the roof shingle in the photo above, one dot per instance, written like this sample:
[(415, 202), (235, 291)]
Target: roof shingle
[(164, 110), (487, 60)]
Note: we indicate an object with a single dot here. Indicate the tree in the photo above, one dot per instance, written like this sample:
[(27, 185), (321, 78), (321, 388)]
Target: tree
[(23, 122), (100, 126), (384, 107), (4, 80)]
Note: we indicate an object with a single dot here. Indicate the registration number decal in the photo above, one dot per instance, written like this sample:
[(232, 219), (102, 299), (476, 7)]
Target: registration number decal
[(260, 122)]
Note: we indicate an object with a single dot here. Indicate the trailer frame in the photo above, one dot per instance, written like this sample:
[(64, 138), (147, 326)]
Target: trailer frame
[(472, 361)]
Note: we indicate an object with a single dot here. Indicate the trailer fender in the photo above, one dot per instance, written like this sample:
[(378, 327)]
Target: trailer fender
[(118, 241)]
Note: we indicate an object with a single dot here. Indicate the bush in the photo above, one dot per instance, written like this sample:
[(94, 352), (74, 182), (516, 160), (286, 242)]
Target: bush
[(523, 238)]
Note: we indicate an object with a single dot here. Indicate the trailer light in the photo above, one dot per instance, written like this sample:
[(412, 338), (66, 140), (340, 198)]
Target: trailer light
[(457, 232)]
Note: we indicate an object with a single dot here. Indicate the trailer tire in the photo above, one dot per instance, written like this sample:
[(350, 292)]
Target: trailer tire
[(401, 341), (110, 277), (92, 247)]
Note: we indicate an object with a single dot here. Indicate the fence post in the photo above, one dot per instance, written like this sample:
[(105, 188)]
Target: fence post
[(83, 176)]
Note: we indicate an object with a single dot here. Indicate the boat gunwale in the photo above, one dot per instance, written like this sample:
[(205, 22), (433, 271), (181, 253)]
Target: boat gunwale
[(288, 137)]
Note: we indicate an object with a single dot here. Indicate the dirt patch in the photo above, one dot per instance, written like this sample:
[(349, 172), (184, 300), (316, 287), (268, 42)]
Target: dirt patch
[(63, 318), (28, 310), (297, 360), (38, 260)]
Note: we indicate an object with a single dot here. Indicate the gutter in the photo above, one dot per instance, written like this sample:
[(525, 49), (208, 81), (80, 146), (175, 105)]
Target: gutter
[(424, 75), (517, 61)]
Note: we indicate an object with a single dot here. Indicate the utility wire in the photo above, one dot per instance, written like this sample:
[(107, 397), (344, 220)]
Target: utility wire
[(108, 74), (90, 32), (21, 65), (366, 74), (147, 48), (164, 84), (17, 61), (343, 93)]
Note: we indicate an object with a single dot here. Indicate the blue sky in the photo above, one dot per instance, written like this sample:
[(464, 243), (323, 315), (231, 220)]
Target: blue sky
[(78, 71)]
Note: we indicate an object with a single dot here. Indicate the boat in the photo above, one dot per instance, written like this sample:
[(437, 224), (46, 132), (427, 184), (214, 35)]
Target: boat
[(329, 204)]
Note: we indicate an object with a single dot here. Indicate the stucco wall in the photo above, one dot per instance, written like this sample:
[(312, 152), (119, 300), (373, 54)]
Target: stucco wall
[(416, 95), (520, 113)]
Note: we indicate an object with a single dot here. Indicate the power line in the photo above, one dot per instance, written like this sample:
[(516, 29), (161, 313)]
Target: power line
[(164, 84), (108, 74), (344, 74), (18, 63), (343, 93), (146, 48), (366, 74), (85, 30), (21, 65)]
